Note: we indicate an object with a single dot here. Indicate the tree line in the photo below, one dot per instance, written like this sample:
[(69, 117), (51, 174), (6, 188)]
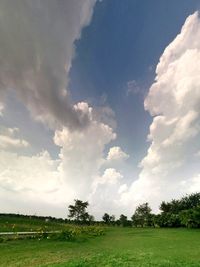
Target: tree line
[(184, 212)]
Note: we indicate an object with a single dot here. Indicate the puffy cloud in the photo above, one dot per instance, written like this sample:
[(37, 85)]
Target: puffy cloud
[(105, 194), (31, 184), (22, 173), (116, 153), (191, 185), (82, 153), (37, 47), (173, 100), (122, 188), (170, 166), (110, 176), (43, 180), (106, 115)]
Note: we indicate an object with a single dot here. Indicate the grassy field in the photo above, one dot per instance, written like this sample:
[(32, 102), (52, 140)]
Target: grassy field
[(9, 224), (120, 247)]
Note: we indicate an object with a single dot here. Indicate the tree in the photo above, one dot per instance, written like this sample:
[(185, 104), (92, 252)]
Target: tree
[(183, 212), (142, 215), (78, 211), (191, 217), (91, 219), (165, 206), (123, 220), (112, 219), (190, 201), (106, 218)]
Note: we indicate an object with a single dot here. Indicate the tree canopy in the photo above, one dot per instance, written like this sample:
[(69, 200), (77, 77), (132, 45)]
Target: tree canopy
[(184, 212), (78, 211), (142, 215)]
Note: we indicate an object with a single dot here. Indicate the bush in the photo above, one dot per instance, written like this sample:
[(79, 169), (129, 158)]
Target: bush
[(66, 235), (168, 220), (191, 218)]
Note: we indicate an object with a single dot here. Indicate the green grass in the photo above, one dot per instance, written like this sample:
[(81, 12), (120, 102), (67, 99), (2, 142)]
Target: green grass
[(120, 247)]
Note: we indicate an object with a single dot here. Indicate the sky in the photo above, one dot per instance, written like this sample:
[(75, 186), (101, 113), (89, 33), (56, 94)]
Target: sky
[(99, 101)]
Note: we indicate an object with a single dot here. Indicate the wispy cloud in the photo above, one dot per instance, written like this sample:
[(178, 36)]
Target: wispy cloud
[(9, 139)]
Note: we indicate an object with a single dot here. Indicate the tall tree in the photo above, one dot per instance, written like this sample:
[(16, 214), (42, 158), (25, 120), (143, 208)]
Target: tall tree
[(142, 215), (78, 211), (112, 219), (123, 220), (106, 218)]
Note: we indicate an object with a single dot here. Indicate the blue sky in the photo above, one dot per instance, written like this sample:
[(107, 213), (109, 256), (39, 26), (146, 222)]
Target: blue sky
[(74, 81), (124, 43)]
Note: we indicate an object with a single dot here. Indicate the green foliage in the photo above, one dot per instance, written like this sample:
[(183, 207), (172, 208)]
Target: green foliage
[(123, 220), (112, 219), (106, 218), (142, 216), (185, 203), (168, 220), (70, 233), (184, 212), (66, 235), (191, 217), (78, 211), (92, 230)]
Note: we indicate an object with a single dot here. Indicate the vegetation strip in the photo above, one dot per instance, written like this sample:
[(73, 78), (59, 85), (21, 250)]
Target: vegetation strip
[(26, 233)]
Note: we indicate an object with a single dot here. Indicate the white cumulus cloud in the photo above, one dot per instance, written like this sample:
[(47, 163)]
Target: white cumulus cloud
[(116, 153), (82, 153), (174, 101), (105, 193), (51, 182)]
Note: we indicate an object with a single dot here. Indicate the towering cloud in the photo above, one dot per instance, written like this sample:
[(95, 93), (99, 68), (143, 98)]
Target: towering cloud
[(45, 182), (37, 47), (82, 153), (171, 165), (36, 51)]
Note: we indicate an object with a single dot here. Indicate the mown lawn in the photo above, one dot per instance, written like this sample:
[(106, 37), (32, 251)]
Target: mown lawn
[(120, 247)]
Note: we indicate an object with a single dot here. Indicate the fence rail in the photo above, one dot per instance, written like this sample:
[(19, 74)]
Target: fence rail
[(27, 233)]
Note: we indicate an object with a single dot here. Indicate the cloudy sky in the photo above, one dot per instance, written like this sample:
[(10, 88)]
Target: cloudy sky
[(99, 100)]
